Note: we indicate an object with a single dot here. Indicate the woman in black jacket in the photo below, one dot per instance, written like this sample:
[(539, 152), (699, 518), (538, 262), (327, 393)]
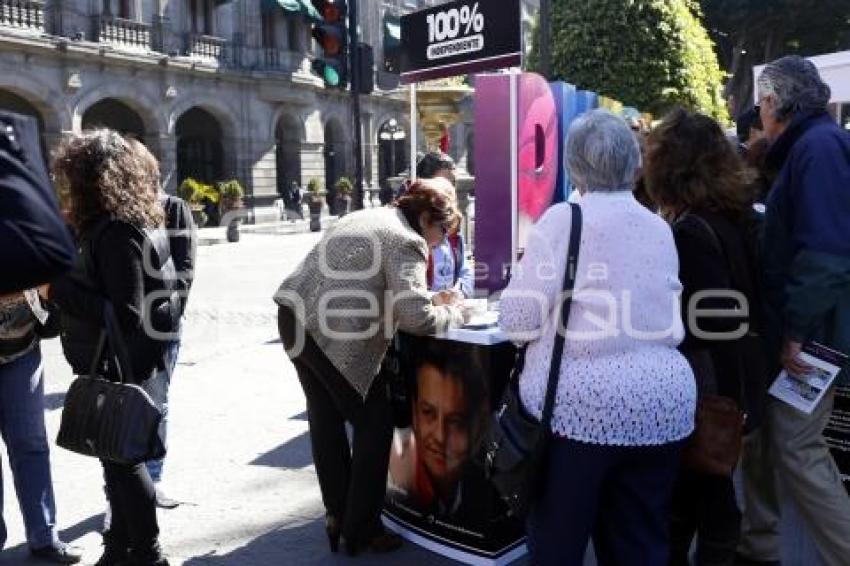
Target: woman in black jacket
[(114, 208), (703, 188)]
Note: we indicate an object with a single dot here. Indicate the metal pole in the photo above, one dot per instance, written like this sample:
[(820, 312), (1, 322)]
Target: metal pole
[(354, 58), (514, 111), (545, 38), (413, 127)]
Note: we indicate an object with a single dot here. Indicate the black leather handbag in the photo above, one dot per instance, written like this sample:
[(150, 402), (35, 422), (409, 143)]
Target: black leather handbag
[(514, 449), (117, 422)]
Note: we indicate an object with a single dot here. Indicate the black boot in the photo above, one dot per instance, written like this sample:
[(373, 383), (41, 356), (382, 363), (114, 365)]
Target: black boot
[(150, 556), (381, 542), (115, 552), (332, 528)]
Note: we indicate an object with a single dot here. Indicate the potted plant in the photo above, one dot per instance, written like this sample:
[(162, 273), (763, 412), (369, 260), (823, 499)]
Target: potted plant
[(231, 201), (344, 190), (314, 202), (197, 194)]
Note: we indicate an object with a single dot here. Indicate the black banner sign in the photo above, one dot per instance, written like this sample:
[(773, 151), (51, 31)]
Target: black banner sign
[(459, 38)]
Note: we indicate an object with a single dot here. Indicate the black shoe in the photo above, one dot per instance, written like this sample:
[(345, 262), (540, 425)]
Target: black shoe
[(741, 560), (332, 528), (383, 542), (59, 552), (152, 557), (115, 552), (114, 557)]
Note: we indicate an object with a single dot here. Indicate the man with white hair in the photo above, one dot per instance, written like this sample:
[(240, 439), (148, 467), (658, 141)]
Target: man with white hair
[(807, 283)]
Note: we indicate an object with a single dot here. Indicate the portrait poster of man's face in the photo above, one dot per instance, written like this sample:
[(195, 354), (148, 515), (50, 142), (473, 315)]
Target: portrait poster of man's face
[(434, 479)]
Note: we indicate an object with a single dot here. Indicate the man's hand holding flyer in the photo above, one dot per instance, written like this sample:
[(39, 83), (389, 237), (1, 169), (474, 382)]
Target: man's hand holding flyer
[(805, 391)]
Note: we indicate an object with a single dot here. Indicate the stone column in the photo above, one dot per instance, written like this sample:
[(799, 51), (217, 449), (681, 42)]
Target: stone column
[(367, 122), (459, 145), (166, 152), (165, 37)]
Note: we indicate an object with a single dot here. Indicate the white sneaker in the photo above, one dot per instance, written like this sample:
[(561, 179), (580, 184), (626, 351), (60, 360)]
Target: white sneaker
[(163, 501)]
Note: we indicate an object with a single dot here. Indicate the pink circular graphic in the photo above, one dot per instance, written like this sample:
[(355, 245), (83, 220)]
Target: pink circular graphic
[(538, 150)]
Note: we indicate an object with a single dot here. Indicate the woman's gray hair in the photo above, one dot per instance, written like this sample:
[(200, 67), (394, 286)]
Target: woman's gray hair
[(602, 153), (795, 84)]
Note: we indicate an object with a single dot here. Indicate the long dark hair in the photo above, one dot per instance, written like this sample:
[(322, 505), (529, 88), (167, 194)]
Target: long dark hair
[(691, 164), (98, 172)]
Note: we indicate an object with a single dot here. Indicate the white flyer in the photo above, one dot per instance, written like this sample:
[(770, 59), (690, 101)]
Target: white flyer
[(805, 392)]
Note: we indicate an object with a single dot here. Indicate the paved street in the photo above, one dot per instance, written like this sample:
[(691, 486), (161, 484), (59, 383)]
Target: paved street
[(239, 455)]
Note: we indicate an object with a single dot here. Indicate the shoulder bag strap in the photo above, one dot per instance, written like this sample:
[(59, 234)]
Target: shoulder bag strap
[(111, 333), (564, 305)]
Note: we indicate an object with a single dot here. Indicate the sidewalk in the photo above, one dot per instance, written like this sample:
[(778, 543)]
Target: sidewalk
[(239, 450), (218, 234)]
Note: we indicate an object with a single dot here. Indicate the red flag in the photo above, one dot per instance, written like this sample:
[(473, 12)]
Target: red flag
[(445, 140)]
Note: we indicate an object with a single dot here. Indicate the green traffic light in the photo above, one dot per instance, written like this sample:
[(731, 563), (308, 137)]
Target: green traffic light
[(331, 75)]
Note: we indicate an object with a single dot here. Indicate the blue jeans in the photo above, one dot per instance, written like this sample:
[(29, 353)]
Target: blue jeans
[(22, 427), (157, 387)]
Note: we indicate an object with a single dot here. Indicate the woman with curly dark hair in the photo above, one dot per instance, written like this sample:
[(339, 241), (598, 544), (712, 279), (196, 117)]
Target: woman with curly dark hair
[(112, 203), (705, 191)]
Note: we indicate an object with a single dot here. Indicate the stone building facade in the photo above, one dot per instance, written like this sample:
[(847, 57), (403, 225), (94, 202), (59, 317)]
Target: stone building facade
[(216, 89)]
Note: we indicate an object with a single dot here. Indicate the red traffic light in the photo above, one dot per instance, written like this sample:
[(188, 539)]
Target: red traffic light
[(329, 39), (332, 11)]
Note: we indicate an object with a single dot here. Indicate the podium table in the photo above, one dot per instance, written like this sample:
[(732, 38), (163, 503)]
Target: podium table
[(437, 496)]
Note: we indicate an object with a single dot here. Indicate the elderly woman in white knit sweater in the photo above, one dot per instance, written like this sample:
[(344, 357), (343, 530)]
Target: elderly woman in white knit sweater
[(626, 398)]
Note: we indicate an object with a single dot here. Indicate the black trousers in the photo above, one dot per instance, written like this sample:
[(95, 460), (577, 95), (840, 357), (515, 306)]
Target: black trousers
[(617, 495), (352, 477), (704, 505), (132, 498)]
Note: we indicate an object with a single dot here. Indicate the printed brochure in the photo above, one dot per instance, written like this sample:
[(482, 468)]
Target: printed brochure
[(805, 392)]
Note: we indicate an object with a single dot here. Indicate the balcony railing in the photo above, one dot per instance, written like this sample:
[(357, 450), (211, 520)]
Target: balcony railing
[(22, 14), (206, 47), (125, 34), (282, 60)]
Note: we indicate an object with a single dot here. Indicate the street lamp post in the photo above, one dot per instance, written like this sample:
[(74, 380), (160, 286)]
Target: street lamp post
[(545, 38)]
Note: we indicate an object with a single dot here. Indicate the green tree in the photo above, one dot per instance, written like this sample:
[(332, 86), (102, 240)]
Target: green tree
[(652, 54), (751, 32)]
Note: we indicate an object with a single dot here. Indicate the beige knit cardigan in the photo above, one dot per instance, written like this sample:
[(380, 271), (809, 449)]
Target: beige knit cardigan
[(363, 280)]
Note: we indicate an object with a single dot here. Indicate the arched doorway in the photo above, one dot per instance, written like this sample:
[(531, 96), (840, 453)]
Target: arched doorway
[(288, 139), (336, 151), (392, 151), (113, 114), (200, 152), (11, 102)]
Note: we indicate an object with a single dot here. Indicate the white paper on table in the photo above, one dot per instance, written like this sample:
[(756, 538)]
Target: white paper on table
[(805, 392)]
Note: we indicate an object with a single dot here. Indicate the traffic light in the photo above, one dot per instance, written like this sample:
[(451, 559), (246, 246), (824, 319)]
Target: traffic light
[(332, 36), (366, 70)]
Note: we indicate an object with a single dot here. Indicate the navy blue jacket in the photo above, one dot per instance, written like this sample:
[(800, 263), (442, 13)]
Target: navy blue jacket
[(35, 244), (807, 233)]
